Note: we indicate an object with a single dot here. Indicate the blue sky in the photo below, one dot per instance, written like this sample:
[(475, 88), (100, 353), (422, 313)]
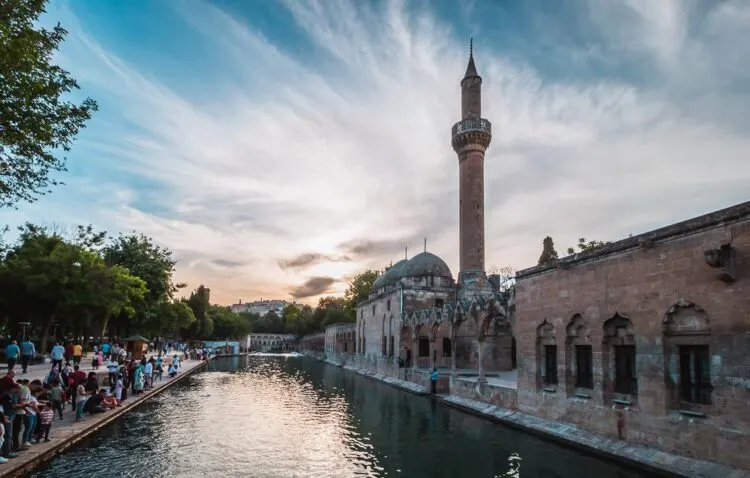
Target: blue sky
[(278, 147)]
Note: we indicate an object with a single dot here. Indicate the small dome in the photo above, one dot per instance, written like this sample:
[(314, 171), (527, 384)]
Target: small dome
[(391, 276), (426, 264)]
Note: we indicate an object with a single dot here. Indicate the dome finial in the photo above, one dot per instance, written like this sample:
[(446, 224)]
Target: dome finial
[(425, 244)]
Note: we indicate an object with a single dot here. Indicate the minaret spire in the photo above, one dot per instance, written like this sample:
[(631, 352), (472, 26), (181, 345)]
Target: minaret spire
[(470, 139)]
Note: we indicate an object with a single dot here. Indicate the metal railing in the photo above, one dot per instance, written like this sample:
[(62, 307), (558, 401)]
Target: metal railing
[(472, 124)]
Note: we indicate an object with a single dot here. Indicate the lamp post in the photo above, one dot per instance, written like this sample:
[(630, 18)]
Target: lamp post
[(23, 330)]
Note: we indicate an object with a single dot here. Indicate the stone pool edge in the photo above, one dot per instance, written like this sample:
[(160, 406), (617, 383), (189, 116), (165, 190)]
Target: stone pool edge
[(634, 456), (24, 467)]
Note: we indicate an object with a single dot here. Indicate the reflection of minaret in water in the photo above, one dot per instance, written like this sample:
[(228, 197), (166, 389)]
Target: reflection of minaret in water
[(470, 138)]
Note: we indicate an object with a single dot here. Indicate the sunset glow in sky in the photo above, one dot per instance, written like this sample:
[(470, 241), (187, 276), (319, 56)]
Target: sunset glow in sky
[(279, 147)]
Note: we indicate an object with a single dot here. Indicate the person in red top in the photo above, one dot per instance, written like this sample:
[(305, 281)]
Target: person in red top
[(69, 352), (79, 378)]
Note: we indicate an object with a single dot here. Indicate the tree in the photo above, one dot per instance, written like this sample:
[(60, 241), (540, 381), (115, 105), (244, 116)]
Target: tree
[(227, 325), (584, 245), (549, 254), (358, 290), (36, 121), (200, 301), (506, 277)]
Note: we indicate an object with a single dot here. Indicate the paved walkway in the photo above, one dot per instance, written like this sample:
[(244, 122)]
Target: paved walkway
[(65, 432)]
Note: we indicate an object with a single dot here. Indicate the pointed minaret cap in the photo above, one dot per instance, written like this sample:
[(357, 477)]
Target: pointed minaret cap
[(471, 69)]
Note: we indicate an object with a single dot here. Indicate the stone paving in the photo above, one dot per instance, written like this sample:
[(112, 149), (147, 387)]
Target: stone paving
[(67, 431)]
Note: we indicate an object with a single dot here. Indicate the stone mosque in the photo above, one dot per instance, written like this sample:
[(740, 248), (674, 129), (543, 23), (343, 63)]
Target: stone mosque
[(416, 310), (645, 340)]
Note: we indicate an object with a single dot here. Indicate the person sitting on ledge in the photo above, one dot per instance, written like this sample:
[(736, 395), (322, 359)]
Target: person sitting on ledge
[(172, 371), (95, 404)]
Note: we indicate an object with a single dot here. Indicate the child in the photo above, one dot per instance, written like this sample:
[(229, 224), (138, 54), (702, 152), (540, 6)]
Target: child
[(95, 361), (56, 397), (46, 415), (112, 368), (172, 371), (119, 385), (80, 402)]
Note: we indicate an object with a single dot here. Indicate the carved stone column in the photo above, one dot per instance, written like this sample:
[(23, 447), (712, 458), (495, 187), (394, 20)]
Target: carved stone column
[(431, 338), (414, 350)]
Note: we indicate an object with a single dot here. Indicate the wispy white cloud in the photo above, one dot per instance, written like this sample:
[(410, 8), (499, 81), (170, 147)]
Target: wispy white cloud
[(295, 156)]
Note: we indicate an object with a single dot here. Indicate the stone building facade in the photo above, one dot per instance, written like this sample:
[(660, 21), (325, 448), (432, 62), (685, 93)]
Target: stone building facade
[(339, 339), (646, 339)]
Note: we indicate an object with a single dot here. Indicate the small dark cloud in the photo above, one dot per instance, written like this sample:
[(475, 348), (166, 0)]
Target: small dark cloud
[(309, 259), (226, 263), (312, 287), (367, 247)]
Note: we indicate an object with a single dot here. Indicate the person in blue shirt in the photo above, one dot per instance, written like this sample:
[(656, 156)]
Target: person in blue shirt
[(105, 350), (11, 354), (28, 351), (57, 354), (433, 380)]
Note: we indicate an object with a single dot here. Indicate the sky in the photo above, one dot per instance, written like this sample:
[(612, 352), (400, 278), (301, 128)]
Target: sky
[(280, 147)]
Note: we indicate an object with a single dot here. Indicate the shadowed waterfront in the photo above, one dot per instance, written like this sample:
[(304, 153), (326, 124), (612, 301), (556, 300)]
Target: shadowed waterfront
[(294, 417)]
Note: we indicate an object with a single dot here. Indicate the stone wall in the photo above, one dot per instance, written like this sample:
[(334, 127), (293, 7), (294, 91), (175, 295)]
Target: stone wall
[(500, 396), (660, 292)]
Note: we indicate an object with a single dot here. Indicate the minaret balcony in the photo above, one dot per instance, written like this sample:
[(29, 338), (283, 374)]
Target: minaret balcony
[(472, 130)]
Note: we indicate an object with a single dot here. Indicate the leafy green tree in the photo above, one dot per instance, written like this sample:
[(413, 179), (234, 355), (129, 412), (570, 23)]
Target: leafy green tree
[(200, 301), (549, 254), (227, 325), (358, 290), (174, 316), (154, 265), (584, 245), (40, 277), (36, 121)]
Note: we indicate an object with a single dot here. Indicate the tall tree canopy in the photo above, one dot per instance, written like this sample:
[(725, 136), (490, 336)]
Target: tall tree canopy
[(53, 282), (36, 120), (358, 290)]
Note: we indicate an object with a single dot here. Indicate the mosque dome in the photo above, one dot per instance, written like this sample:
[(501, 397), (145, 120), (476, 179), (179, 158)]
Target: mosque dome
[(426, 264), (391, 276)]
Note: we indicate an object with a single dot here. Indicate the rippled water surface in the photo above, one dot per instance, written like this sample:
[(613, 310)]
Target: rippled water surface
[(294, 417)]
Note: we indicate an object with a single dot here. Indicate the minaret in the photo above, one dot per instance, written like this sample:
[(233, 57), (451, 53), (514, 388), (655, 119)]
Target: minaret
[(471, 137)]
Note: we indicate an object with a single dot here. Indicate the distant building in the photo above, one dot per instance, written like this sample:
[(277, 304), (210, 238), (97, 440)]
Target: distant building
[(271, 342), (261, 307)]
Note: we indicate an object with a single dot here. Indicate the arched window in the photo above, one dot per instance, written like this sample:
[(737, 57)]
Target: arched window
[(390, 336), (687, 336), (546, 353), (619, 358), (579, 356), (384, 340)]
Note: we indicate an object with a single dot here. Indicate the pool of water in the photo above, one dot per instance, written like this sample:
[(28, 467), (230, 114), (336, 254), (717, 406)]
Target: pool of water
[(285, 417)]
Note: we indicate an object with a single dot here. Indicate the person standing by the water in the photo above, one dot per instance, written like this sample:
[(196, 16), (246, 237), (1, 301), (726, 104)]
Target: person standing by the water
[(433, 381), (11, 354), (28, 351)]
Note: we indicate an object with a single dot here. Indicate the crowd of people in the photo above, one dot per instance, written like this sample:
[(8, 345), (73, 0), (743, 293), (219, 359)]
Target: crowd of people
[(29, 408)]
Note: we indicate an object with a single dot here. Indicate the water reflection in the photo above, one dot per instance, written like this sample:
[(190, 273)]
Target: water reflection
[(293, 417)]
